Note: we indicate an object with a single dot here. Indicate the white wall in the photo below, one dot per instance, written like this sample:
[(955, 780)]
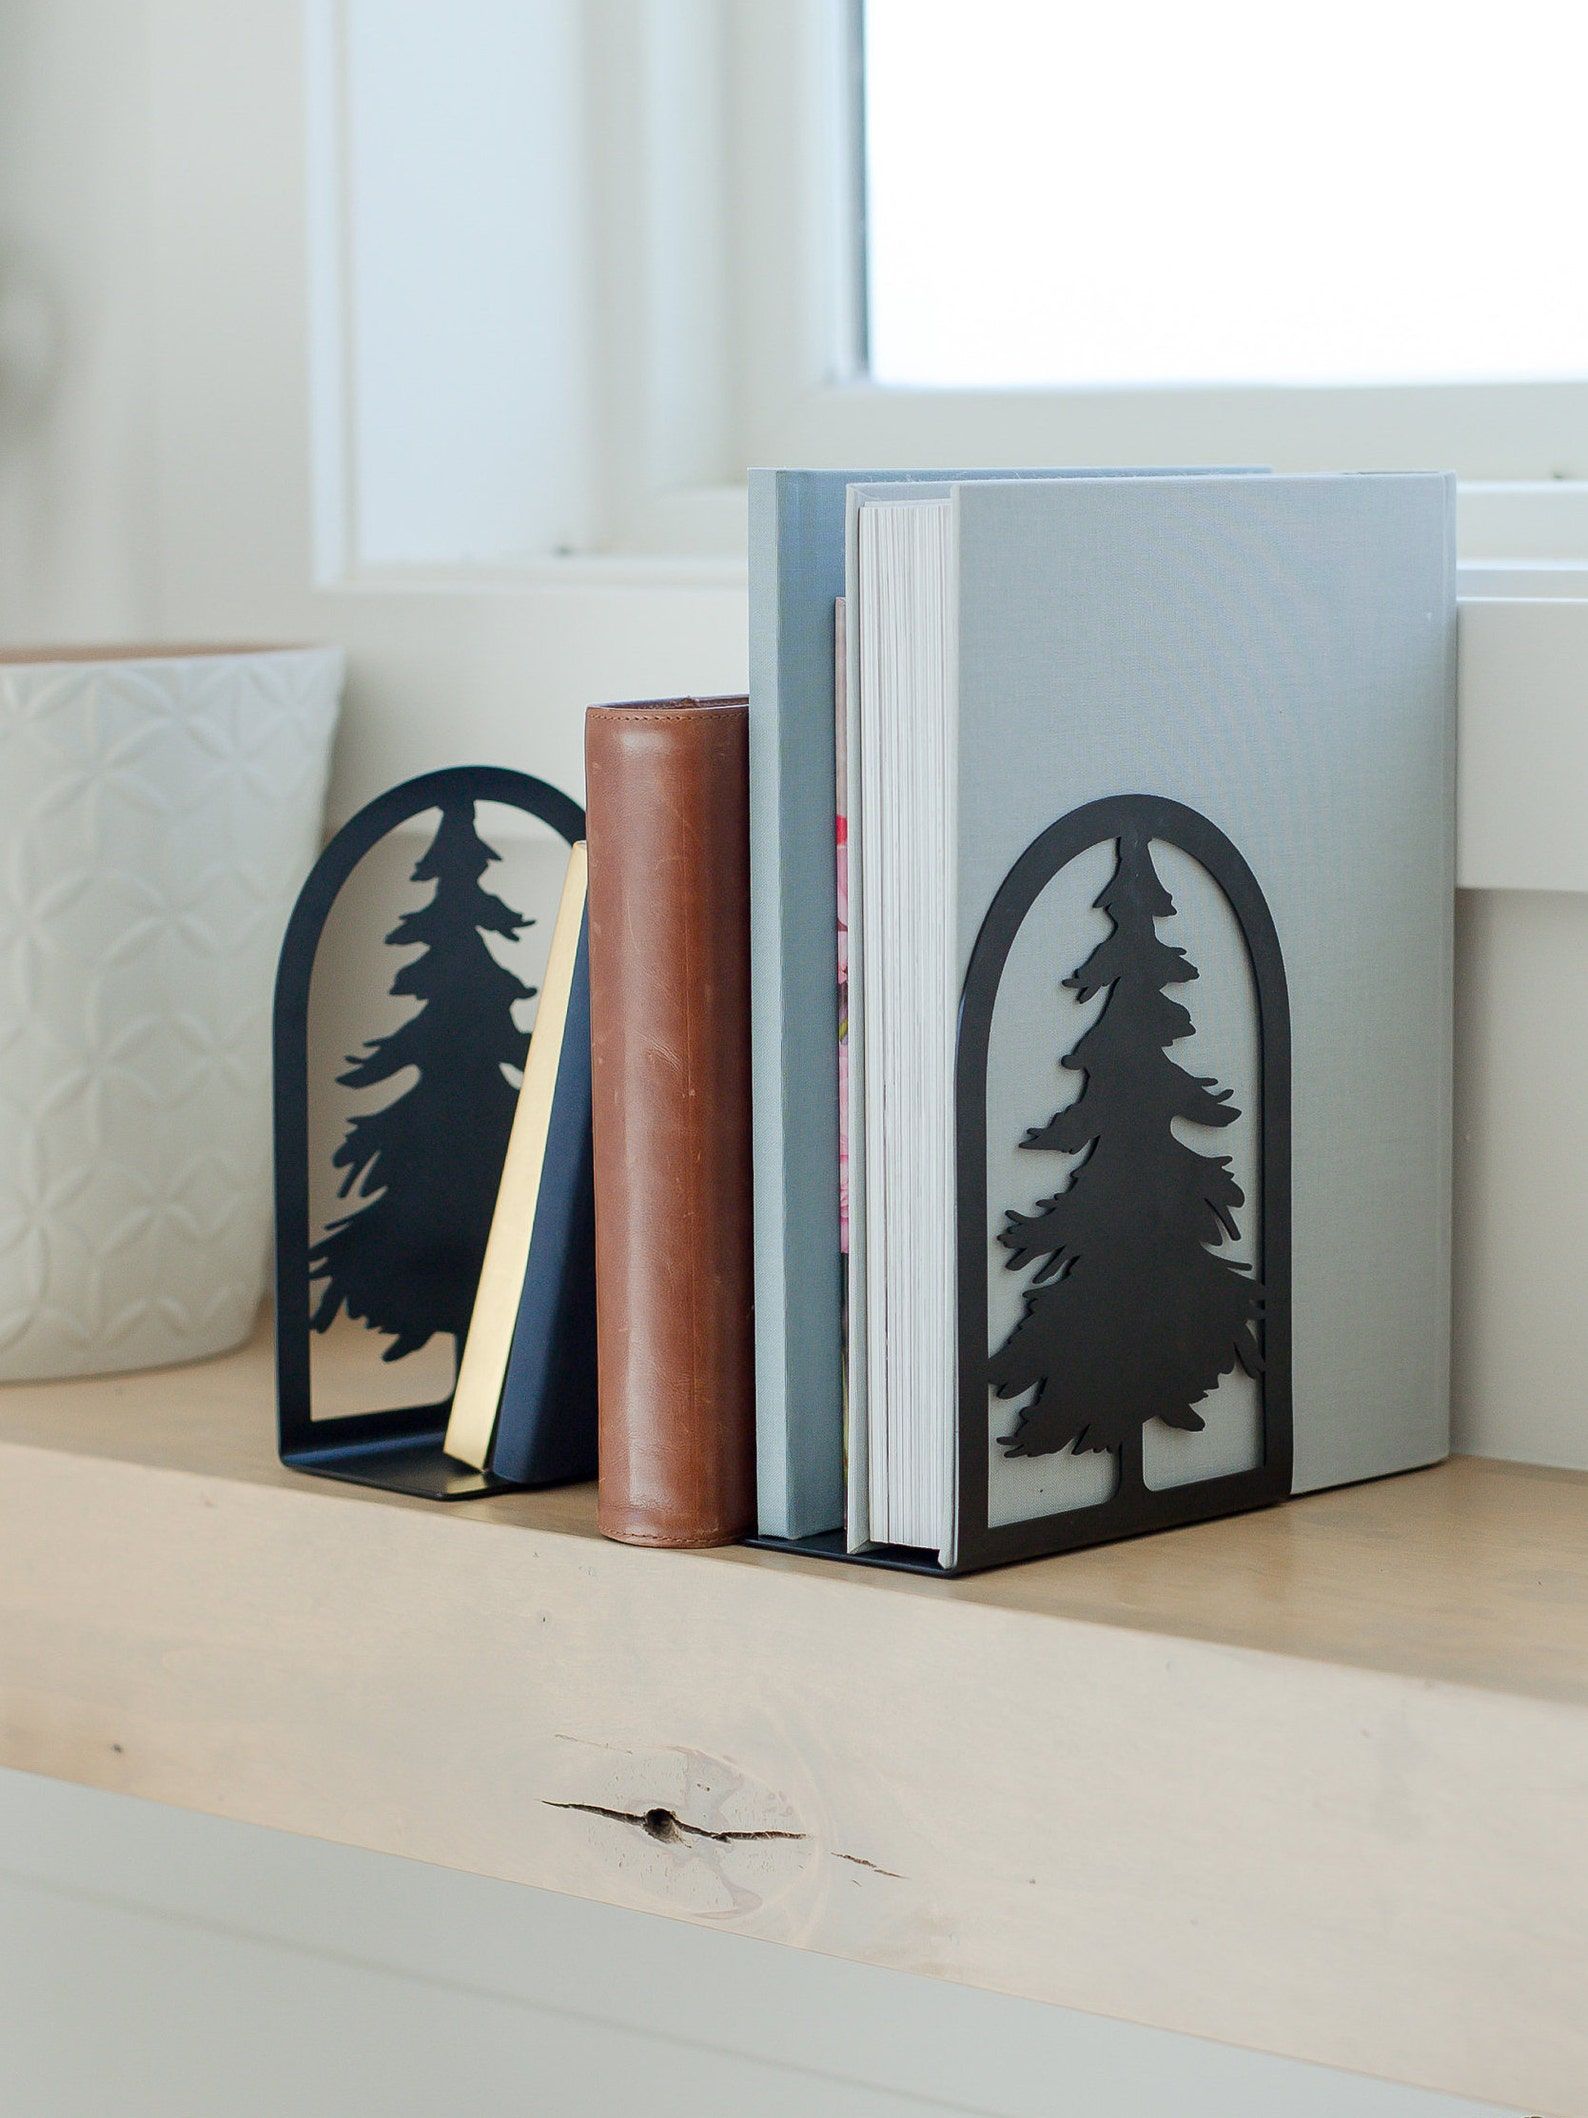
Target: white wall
[(76, 409)]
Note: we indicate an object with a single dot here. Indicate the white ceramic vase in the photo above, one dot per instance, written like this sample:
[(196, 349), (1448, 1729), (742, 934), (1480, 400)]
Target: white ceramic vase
[(158, 810)]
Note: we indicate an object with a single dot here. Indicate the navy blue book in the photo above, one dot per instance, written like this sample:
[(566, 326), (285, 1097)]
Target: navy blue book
[(525, 1404), (546, 1425)]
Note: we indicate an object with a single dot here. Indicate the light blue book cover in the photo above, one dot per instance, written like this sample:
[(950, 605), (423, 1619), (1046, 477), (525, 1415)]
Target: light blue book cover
[(1203, 820)]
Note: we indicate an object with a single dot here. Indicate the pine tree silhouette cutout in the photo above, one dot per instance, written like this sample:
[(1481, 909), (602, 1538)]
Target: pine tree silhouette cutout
[(1131, 1313), (423, 1170)]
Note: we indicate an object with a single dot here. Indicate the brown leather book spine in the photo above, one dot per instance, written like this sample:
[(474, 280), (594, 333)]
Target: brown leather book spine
[(668, 830)]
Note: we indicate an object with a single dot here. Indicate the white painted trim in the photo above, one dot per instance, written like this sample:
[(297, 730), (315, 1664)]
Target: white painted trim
[(1514, 433), (1517, 538), (1533, 523), (1523, 745)]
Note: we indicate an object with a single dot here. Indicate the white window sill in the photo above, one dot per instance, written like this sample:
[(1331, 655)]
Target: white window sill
[(1517, 539)]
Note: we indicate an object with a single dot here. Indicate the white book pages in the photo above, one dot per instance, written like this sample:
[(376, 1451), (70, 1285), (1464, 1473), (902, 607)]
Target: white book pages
[(902, 772)]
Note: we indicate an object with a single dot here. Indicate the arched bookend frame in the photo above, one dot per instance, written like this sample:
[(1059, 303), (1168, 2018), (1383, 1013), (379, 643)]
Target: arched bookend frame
[(1206, 1317), (408, 1273), (1152, 1274)]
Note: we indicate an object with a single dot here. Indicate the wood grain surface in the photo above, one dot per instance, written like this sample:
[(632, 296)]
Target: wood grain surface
[(1314, 1781)]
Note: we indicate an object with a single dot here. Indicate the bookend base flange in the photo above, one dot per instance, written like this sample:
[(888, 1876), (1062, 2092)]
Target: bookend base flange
[(415, 1465), (898, 1558)]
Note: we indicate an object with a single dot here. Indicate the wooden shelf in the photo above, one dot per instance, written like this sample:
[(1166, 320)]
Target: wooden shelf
[(1314, 1781)]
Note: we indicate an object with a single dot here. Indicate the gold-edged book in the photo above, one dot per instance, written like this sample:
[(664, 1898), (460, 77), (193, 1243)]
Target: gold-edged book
[(483, 1368)]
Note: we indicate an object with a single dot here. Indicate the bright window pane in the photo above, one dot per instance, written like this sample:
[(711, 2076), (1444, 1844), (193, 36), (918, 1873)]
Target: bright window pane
[(1238, 190)]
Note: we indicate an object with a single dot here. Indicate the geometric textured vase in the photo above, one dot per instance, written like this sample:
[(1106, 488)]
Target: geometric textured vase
[(159, 809)]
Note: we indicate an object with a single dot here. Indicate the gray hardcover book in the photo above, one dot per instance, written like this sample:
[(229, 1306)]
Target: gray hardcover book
[(1156, 1208), (797, 529), (796, 576)]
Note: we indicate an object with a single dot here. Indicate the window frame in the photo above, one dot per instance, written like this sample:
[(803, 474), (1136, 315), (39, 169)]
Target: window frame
[(1520, 448), (719, 186)]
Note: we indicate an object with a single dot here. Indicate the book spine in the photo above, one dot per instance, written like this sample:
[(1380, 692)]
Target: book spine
[(670, 1078), (796, 572)]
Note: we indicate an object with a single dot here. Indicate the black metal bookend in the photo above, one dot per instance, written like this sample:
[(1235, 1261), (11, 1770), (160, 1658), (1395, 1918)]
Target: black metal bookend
[(1130, 1313), (420, 1173)]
